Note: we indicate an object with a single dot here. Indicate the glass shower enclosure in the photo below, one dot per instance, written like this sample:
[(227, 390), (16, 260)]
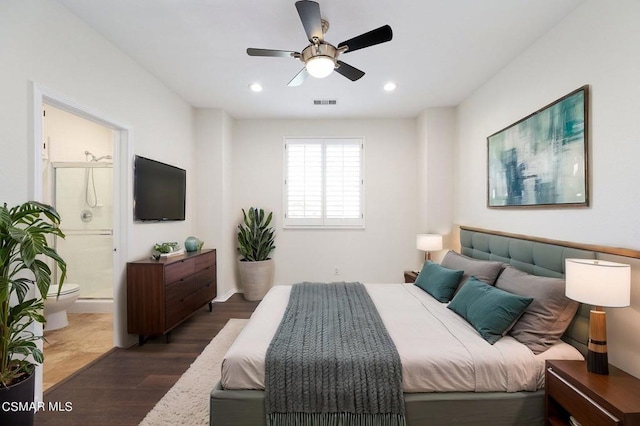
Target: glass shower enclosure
[(83, 196)]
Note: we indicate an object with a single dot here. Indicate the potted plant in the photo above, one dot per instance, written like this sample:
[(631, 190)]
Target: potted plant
[(256, 242), (25, 278)]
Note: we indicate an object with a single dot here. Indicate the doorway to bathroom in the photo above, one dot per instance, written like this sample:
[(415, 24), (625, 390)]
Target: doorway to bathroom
[(77, 179)]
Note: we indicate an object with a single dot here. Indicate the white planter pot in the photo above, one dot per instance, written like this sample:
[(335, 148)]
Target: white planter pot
[(256, 278)]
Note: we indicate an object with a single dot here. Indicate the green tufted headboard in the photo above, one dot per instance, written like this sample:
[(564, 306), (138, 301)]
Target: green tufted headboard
[(536, 258)]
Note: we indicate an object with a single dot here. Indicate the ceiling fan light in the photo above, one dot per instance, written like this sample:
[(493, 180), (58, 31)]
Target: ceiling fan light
[(320, 66), (390, 86)]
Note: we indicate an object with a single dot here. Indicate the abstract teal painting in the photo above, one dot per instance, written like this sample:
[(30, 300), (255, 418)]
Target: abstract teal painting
[(541, 160)]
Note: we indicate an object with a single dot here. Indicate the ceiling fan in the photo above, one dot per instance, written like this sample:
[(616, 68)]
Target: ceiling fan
[(321, 58)]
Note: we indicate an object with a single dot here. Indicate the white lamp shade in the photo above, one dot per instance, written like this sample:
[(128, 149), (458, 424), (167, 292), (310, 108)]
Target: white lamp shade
[(429, 242), (320, 66), (598, 282)]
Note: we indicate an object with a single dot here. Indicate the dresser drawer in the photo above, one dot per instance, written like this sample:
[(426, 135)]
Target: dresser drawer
[(177, 270), (206, 276), (584, 409), (183, 298), (205, 260), (176, 309), (176, 313), (185, 286), (181, 289)]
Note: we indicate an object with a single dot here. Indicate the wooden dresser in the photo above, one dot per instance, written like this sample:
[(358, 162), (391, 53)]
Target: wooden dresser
[(163, 293)]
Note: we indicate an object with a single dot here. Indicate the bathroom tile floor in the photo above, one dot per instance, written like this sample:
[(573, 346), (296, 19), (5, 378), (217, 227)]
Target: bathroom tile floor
[(67, 350)]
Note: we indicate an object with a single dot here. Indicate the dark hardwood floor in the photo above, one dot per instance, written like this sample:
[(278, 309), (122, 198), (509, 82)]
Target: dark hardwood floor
[(121, 387)]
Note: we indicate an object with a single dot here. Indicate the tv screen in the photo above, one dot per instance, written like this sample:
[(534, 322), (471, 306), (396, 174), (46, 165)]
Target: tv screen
[(159, 191)]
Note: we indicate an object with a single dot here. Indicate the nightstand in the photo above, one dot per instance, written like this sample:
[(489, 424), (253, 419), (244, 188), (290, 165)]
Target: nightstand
[(410, 276), (591, 399)]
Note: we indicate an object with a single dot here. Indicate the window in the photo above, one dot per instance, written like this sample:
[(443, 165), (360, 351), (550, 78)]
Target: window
[(324, 184)]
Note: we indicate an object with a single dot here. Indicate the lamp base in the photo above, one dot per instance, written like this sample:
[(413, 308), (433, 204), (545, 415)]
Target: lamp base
[(597, 362), (597, 359)]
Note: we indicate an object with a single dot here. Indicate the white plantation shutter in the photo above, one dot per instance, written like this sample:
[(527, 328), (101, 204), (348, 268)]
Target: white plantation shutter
[(343, 183), (324, 182), (303, 183)]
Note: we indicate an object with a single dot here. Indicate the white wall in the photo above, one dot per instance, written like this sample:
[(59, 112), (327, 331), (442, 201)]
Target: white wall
[(69, 136), (378, 253), (216, 222), (42, 42), (595, 45), (436, 140)]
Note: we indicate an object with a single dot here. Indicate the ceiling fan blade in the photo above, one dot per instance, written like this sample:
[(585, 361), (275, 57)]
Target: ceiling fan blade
[(299, 78), (309, 12), (373, 37), (269, 52), (352, 73)]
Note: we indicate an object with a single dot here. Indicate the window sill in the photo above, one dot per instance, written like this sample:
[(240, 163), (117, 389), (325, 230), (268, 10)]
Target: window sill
[(322, 227)]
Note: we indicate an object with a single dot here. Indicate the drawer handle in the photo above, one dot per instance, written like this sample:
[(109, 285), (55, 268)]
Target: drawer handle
[(579, 392)]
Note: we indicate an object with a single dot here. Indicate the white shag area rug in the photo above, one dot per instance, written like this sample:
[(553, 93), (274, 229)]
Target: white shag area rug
[(187, 402)]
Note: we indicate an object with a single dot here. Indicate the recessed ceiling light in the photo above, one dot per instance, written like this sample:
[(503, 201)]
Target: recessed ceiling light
[(255, 87), (390, 87)]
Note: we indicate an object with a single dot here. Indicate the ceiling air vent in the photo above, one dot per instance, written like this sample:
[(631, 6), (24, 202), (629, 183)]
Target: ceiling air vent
[(325, 102)]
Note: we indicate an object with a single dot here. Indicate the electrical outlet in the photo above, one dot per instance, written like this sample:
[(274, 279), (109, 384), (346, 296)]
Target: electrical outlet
[(336, 271)]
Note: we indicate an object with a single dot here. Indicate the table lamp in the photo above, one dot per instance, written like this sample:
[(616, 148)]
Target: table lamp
[(428, 243), (599, 283)]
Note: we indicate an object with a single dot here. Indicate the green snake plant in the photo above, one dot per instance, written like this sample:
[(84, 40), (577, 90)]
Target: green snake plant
[(25, 278), (255, 236)]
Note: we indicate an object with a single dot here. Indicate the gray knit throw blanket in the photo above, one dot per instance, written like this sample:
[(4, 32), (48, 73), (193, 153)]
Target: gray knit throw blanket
[(332, 361)]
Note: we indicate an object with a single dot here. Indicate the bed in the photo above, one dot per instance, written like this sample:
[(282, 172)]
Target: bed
[(491, 391)]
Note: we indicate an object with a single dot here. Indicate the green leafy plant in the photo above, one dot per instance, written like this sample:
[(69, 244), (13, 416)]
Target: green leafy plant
[(165, 247), (255, 237), (23, 247)]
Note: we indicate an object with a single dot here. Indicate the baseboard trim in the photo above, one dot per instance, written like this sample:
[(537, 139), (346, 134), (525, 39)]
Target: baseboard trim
[(226, 296), (92, 306)]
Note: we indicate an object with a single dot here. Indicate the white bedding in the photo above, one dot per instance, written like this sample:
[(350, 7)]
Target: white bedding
[(439, 350)]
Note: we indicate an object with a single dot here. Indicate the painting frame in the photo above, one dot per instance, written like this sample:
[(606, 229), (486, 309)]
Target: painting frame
[(541, 161)]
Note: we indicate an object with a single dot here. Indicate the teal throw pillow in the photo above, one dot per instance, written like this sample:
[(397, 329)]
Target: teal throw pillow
[(438, 281), (489, 310)]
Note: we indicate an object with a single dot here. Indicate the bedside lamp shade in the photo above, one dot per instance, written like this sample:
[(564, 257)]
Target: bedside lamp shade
[(428, 243), (599, 283)]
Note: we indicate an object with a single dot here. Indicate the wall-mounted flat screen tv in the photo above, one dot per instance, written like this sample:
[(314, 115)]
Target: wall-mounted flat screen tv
[(159, 191)]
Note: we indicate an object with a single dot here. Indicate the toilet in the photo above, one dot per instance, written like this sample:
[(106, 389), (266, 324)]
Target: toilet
[(55, 308)]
